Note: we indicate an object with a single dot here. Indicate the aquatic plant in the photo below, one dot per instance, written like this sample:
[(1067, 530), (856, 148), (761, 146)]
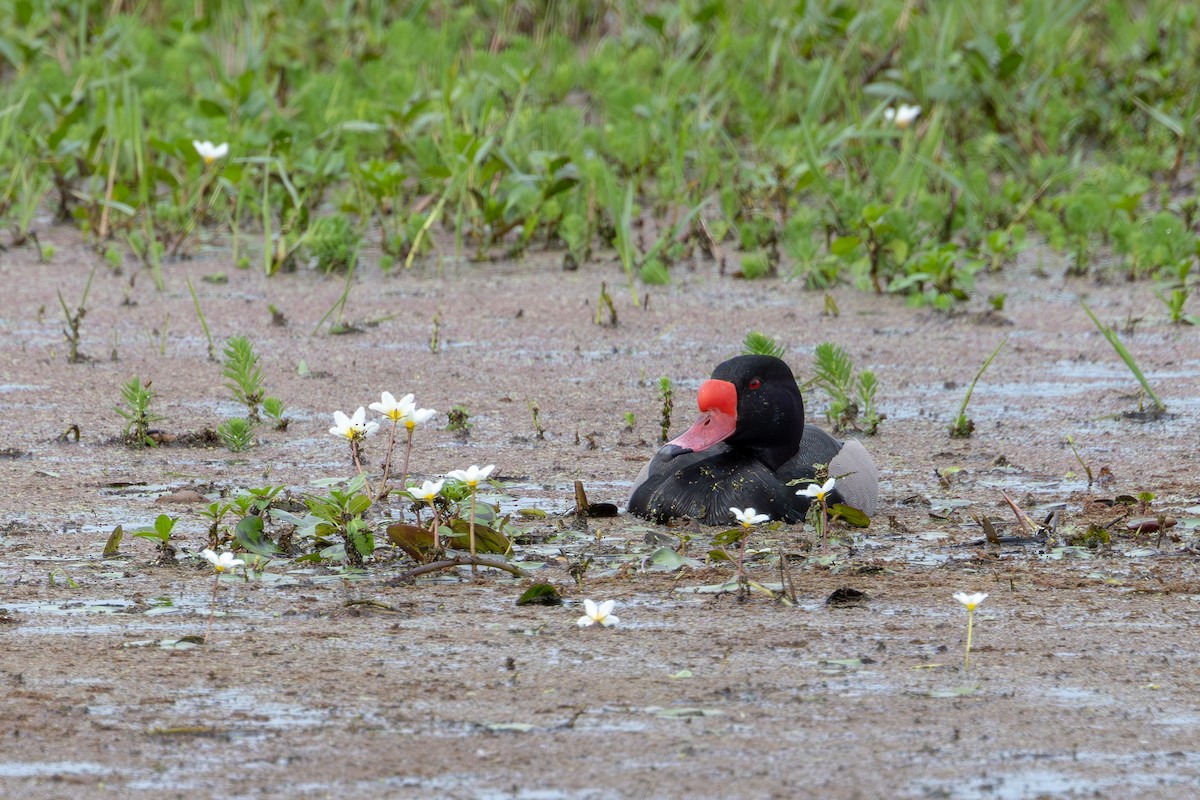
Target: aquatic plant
[(221, 562), (136, 412), (758, 343), (666, 391), (970, 601), (1115, 341), (962, 426), (75, 321), (471, 477), (851, 397), (354, 429), (243, 375), (747, 518), (161, 533), (598, 614), (428, 493), (820, 493), (236, 433)]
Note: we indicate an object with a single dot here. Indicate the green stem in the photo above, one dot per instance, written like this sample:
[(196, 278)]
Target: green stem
[(212, 607), (472, 530), (970, 626), (387, 462), (407, 452)]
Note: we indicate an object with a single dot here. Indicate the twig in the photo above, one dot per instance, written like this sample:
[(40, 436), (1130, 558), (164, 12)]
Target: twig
[(459, 561)]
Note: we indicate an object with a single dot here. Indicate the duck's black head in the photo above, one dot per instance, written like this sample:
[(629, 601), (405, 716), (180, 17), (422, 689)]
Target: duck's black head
[(753, 403)]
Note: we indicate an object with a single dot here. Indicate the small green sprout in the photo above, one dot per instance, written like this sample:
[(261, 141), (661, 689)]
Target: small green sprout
[(962, 427), (242, 374), (237, 434), (138, 417)]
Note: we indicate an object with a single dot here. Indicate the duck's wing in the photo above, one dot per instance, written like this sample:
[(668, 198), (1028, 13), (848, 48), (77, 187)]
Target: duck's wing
[(849, 462), (665, 465), (703, 486)]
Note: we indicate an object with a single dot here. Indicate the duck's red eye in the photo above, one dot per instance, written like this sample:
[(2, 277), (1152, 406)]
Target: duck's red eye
[(754, 383)]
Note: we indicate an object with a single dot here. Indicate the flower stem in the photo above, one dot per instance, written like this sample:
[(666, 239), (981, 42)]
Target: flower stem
[(970, 625), (741, 577), (407, 451), (437, 541), (387, 462), (212, 607), (472, 528), (358, 464), (824, 527)]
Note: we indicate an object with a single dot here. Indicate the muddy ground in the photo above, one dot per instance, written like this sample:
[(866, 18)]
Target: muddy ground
[(1083, 679)]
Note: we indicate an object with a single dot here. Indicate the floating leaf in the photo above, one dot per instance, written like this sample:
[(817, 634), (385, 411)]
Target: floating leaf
[(515, 727), (540, 594), (414, 540), (664, 559), (113, 545), (487, 540), (686, 712)]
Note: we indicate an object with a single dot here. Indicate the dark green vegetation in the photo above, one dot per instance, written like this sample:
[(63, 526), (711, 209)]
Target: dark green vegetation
[(752, 128)]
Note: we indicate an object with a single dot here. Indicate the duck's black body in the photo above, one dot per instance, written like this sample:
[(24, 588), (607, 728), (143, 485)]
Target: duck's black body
[(748, 444)]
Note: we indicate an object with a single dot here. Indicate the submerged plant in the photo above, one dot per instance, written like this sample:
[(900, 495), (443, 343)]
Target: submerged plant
[(962, 426), (970, 601), (138, 417)]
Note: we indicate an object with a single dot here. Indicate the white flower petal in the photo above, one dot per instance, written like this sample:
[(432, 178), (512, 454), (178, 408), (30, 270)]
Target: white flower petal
[(610, 620), (584, 621)]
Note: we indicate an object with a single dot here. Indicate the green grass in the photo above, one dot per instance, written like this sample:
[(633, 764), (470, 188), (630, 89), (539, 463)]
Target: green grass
[(525, 122)]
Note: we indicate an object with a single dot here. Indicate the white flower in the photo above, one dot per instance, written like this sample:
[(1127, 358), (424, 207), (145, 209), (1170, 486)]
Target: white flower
[(747, 516), (394, 409), (970, 600), (418, 416), (903, 116), (598, 613), (818, 493), (427, 491), (210, 152), (353, 428), (223, 562), (472, 476)]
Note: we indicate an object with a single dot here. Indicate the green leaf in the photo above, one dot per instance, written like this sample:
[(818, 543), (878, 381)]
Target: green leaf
[(487, 540), (540, 594), (844, 246), (113, 545), (851, 515), (414, 540), (664, 559), (249, 536), (163, 525)]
